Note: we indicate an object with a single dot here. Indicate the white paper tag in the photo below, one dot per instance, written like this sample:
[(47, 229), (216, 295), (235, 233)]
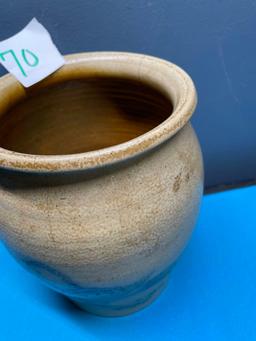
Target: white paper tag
[(30, 55)]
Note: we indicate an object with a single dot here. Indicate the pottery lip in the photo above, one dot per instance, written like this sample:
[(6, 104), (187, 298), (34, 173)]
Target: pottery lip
[(169, 78)]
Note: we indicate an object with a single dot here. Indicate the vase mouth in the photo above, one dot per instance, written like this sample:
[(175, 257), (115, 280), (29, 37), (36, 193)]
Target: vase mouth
[(166, 77)]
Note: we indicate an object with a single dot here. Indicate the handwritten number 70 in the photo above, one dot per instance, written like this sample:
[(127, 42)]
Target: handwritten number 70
[(32, 61)]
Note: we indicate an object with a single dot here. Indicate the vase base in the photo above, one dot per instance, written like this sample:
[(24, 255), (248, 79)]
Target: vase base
[(126, 306)]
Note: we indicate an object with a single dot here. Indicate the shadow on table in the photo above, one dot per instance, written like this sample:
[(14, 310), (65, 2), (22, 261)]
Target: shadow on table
[(161, 319), (141, 324)]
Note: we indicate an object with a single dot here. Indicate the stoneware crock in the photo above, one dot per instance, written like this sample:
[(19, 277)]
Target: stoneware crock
[(101, 177)]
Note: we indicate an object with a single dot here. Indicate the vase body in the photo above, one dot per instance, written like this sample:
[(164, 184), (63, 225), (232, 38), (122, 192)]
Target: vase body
[(106, 236)]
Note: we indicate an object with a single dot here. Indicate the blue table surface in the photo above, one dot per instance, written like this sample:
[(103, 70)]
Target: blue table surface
[(211, 294)]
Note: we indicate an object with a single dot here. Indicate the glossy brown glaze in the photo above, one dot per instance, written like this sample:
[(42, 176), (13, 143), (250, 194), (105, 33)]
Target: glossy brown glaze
[(82, 115)]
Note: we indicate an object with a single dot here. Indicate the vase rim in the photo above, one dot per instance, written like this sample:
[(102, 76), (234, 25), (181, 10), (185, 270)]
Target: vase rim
[(166, 76)]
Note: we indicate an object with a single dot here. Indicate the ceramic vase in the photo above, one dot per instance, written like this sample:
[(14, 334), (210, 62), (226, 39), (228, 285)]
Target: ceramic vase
[(101, 177)]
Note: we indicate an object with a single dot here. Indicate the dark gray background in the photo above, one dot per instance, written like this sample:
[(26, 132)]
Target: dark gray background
[(214, 41)]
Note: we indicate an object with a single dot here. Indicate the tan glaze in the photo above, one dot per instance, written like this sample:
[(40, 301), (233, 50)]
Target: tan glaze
[(102, 226)]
